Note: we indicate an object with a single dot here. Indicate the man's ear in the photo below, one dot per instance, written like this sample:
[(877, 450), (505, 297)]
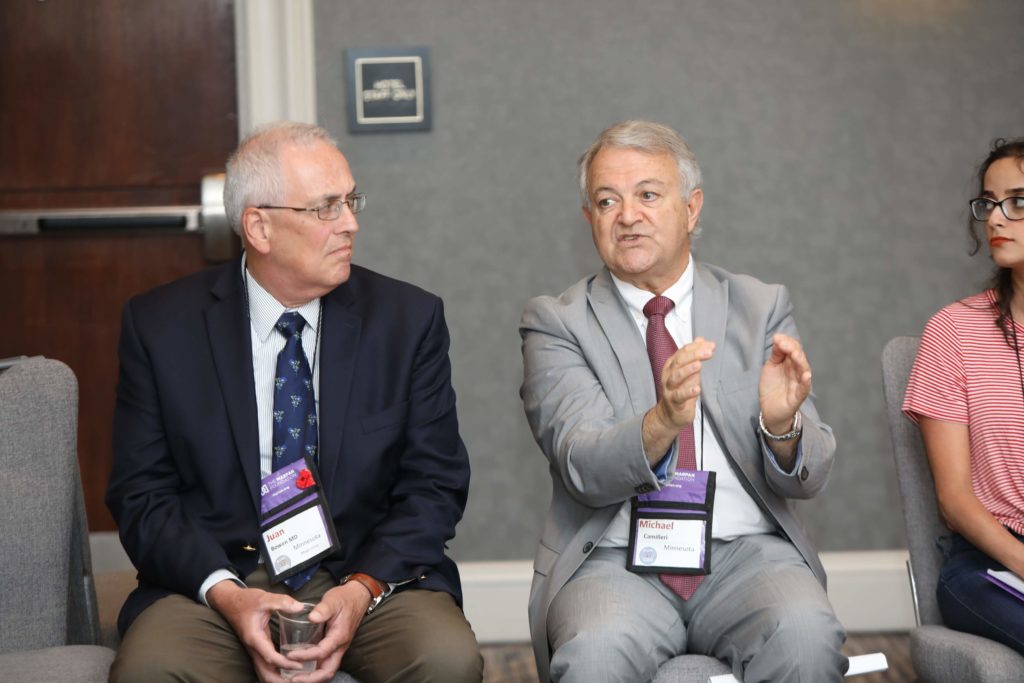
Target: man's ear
[(587, 214), (694, 205), (256, 229)]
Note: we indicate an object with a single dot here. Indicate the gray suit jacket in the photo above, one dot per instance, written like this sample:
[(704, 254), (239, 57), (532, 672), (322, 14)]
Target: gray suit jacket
[(587, 384)]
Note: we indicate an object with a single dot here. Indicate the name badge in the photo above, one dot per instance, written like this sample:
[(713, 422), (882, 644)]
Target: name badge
[(670, 529), (296, 529)]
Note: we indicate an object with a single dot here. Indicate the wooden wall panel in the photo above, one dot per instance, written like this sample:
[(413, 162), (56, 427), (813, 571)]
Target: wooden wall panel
[(114, 102), (61, 297), (104, 103)]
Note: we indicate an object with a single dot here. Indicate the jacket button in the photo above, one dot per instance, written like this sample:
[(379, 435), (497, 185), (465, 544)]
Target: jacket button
[(804, 474), (588, 547)]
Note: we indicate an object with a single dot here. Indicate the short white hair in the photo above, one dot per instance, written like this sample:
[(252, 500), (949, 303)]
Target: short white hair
[(644, 136), (253, 174)]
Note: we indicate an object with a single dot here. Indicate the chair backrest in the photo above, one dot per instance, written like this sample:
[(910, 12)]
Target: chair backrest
[(48, 597), (917, 489)]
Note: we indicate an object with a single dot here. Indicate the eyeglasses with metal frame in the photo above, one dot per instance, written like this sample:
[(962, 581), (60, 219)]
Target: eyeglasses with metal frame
[(1012, 208), (332, 209)]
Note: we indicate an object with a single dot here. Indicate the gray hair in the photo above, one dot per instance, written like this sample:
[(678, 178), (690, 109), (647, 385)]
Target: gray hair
[(253, 171), (644, 136)]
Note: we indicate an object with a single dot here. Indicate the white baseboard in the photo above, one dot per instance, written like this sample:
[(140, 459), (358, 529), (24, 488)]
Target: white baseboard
[(494, 596), (868, 589)]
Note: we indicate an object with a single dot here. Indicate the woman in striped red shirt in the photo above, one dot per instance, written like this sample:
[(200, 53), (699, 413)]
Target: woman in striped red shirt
[(966, 391)]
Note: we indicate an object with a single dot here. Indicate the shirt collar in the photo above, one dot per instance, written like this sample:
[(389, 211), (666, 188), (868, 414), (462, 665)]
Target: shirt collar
[(265, 310), (681, 293)]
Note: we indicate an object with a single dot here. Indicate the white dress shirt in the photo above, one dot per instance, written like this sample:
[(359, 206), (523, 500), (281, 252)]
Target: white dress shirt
[(267, 342), (736, 514)]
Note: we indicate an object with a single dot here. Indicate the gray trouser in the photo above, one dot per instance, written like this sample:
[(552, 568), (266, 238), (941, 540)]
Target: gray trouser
[(761, 609)]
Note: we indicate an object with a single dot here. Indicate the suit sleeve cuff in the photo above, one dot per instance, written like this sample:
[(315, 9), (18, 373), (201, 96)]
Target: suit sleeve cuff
[(797, 461), (661, 469)]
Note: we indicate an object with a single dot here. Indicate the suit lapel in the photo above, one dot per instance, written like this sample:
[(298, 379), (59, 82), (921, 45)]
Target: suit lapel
[(342, 327), (227, 324), (629, 348), (710, 314), (710, 309)]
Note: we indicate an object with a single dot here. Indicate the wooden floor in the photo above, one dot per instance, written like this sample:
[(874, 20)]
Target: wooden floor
[(514, 663)]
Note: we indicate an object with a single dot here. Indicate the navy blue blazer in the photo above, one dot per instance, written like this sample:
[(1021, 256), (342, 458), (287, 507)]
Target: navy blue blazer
[(184, 489)]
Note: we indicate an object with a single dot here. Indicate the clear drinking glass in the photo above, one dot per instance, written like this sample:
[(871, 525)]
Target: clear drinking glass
[(297, 632)]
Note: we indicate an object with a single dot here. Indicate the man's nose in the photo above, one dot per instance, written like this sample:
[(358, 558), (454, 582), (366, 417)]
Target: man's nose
[(347, 221), (631, 213)]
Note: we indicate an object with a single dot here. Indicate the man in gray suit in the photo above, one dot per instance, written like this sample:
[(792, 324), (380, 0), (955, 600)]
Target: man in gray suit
[(739, 378)]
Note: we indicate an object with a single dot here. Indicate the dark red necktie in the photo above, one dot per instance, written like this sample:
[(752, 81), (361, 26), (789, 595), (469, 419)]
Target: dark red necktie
[(660, 346)]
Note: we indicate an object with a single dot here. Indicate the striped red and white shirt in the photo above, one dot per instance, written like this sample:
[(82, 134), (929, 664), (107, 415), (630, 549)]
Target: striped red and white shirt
[(965, 372)]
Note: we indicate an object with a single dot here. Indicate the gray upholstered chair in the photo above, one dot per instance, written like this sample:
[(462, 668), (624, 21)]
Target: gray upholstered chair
[(939, 654), (48, 620), (690, 669)]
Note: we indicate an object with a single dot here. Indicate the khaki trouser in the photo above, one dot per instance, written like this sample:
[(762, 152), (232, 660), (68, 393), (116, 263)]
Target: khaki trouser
[(415, 635)]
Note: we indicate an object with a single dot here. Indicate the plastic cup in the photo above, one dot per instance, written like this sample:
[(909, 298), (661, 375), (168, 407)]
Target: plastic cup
[(297, 632)]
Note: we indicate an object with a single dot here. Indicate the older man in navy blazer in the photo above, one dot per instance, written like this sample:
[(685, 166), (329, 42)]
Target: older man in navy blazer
[(192, 441), (737, 389)]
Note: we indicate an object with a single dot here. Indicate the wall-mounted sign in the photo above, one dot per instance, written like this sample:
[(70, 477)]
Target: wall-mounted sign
[(388, 88)]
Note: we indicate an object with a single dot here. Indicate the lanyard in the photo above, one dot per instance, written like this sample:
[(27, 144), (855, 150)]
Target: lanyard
[(700, 461)]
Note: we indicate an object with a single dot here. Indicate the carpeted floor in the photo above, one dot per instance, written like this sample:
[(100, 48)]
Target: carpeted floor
[(513, 663)]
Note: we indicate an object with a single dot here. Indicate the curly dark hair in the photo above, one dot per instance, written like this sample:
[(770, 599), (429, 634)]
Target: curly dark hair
[(1002, 279)]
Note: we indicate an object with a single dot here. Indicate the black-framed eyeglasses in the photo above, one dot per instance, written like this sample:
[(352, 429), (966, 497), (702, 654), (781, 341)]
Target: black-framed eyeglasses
[(1012, 208), (331, 210)]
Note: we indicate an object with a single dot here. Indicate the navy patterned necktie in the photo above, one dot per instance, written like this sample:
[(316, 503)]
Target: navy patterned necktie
[(660, 347), (295, 432), (295, 428)]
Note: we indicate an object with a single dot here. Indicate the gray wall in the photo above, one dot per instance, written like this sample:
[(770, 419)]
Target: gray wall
[(838, 141)]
